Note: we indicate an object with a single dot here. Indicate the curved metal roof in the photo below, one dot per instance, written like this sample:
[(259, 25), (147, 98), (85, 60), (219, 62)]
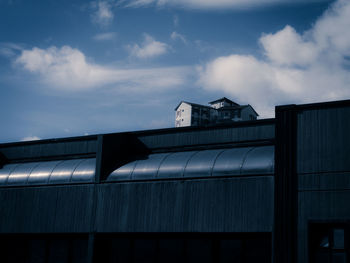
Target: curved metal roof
[(206, 163), (51, 172)]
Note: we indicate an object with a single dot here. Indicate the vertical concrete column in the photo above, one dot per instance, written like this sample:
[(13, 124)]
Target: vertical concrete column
[(286, 195), (91, 241)]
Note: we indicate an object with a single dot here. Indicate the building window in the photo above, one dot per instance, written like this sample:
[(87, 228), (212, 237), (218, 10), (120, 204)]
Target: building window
[(183, 110), (328, 243), (178, 113)]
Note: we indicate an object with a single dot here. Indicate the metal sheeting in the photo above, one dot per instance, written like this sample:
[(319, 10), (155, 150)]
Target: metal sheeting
[(201, 163), (5, 171), (41, 173), (230, 162), (259, 160), (148, 168), (206, 163), (174, 165), (51, 172), (85, 171)]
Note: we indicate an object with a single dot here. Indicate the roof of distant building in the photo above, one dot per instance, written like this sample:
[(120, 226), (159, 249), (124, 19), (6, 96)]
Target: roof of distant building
[(194, 104), (224, 99)]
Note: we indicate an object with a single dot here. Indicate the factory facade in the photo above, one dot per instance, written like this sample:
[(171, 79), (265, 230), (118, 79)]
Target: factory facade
[(272, 190)]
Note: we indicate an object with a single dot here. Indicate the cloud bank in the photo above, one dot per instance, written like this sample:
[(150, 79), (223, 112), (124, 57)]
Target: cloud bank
[(208, 4), (297, 68), (67, 68), (148, 49)]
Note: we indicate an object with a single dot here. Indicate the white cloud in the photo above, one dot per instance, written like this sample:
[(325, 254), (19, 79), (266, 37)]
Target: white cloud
[(103, 14), (288, 47), (149, 48), (105, 36), (30, 138), (176, 36), (297, 68), (67, 68), (208, 4)]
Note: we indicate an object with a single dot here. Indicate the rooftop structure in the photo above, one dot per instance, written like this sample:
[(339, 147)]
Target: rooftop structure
[(220, 111)]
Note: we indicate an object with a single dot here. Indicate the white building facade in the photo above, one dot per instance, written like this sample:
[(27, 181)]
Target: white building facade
[(183, 115)]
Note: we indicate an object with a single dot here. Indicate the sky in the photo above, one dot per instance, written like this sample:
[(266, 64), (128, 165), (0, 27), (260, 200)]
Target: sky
[(74, 67)]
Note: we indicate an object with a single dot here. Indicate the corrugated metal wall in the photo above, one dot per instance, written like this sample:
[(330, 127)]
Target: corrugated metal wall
[(211, 205), (55, 209)]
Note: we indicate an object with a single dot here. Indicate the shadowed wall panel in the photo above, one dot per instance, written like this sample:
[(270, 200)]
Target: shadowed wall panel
[(48, 148), (46, 209), (323, 140), (216, 205), (264, 131), (324, 181)]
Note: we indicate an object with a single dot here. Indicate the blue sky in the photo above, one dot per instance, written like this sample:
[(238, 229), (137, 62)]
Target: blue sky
[(70, 68)]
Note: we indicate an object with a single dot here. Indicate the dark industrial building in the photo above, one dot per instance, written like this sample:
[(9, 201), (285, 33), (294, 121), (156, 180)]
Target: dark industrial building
[(273, 190)]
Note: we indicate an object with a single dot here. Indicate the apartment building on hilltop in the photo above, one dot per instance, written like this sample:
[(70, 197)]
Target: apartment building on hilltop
[(222, 110)]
